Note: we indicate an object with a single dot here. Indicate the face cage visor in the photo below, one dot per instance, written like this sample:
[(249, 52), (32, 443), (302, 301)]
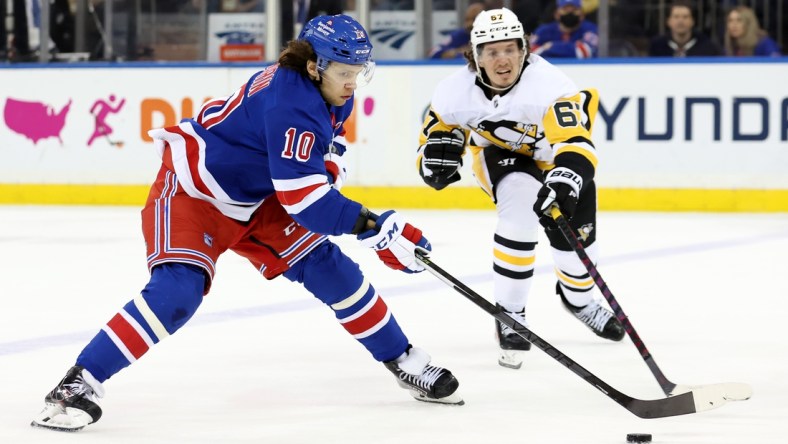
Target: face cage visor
[(483, 77), (346, 74)]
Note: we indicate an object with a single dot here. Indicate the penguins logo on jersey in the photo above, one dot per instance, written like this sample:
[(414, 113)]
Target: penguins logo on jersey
[(585, 231), (516, 136)]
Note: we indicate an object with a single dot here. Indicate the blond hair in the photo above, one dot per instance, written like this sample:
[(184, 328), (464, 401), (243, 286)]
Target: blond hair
[(744, 45)]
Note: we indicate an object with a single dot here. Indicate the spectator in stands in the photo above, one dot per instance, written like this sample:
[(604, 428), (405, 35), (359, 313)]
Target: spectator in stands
[(570, 35), (744, 36), (682, 40), (457, 42)]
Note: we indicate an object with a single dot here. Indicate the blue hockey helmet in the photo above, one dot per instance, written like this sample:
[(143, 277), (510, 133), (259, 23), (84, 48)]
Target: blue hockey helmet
[(337, 38), (340, 38)]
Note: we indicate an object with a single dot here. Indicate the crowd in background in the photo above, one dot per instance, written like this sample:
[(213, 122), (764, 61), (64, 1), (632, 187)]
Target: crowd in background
[(557, 28), (567, 29)]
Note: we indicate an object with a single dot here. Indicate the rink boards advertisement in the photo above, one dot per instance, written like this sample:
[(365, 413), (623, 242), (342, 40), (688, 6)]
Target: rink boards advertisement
[(699, 127)]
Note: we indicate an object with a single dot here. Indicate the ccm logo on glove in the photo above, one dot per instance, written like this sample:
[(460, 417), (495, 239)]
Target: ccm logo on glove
[(396, 242)]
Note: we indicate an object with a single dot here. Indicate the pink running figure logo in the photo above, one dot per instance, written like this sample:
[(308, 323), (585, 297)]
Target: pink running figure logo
[(100, 110)]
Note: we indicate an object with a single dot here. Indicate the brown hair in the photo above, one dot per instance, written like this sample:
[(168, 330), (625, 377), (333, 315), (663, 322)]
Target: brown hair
[(295, 55), (682, 4), (469, 59), (744, 45)]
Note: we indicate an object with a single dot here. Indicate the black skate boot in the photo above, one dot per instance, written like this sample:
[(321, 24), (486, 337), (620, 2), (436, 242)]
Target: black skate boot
[(424, 382), (73, 404), (596, 317), (512, 345)]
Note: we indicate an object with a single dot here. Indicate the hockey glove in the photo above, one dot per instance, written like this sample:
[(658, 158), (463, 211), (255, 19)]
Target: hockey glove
[(335, 170), (441, 158), (396, 242), (561, 187)]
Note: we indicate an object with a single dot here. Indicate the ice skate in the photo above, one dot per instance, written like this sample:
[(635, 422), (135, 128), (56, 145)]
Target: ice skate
[(424, 382), (511, 344), (596, 317), (73, 404)]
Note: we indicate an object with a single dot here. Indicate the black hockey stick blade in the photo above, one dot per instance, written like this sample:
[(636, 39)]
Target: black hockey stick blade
[(732, 391), (693, 401)]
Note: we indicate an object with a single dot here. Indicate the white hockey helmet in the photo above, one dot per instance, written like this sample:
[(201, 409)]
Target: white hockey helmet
[(493, 26)]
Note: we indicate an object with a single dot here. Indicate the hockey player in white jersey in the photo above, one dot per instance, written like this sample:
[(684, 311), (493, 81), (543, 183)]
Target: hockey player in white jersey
[(528, 130)]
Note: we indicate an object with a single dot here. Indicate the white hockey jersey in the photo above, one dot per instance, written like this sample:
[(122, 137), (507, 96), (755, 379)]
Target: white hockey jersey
[(544, 116)]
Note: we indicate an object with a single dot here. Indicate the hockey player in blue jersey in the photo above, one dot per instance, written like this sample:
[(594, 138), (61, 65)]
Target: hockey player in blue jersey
[(259, 173)]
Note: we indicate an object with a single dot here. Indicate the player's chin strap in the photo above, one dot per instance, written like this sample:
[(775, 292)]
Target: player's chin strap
[(482, 74), (734, 391)]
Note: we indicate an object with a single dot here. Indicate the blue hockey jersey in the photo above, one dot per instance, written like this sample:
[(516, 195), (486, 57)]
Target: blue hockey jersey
[(266, 139)]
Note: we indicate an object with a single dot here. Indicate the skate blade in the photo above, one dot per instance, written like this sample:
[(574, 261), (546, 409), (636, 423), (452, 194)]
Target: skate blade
[(511, 359), (54, 417), (453, 399), (49, 426)]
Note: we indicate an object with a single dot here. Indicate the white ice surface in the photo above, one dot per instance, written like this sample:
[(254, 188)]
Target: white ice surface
[(263, 362)]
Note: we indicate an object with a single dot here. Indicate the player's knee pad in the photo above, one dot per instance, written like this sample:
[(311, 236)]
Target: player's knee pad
[(338, 282), (515, 196), (170, 299), (516, 235), (328, 274)]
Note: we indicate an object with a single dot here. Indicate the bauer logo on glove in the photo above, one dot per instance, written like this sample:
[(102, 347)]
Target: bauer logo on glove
[(562, 188)]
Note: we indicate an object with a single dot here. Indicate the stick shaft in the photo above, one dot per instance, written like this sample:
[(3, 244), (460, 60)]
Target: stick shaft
[(563, 225), (657, 408)]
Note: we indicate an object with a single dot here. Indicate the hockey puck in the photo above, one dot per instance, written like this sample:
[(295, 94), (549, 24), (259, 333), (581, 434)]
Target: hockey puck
[(638, 437)]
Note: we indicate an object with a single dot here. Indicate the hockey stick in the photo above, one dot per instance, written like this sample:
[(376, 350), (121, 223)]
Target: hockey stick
[(696, 400), (732, 391)]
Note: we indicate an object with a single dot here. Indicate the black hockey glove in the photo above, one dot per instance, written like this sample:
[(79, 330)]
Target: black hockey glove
[(441, 158), (561, 187)]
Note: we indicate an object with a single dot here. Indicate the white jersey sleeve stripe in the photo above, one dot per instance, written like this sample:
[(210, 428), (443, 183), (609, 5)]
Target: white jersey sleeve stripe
[(193, 176), (295, 195), (296, 201)]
